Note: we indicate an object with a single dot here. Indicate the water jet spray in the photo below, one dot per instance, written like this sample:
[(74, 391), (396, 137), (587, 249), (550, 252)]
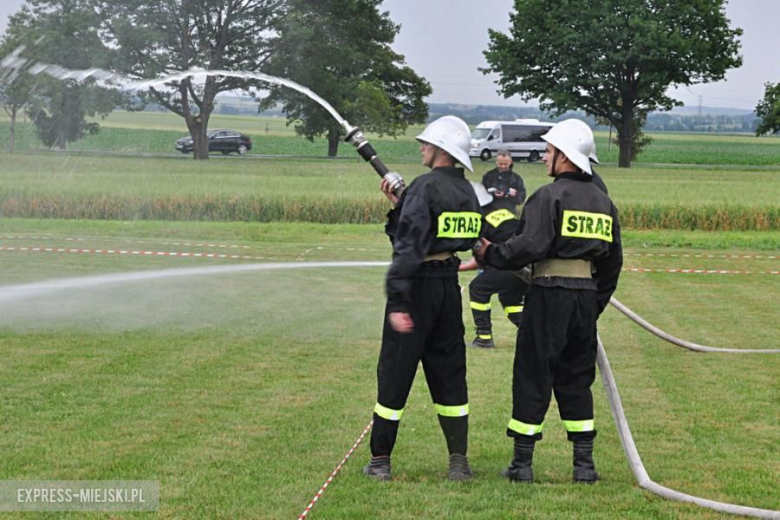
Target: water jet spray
[(13, 64)]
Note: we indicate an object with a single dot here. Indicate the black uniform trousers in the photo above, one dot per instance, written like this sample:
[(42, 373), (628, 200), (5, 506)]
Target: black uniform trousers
[(437, 341), (511, 291), (556, 352)]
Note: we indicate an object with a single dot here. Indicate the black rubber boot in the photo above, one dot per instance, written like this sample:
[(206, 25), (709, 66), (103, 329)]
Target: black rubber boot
[(459, 468), (584, 468), (521, 467), (483, 343), (516, 318), (378, 468)]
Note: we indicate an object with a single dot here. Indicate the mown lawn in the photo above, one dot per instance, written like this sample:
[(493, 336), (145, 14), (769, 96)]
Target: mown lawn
[(241, 392)]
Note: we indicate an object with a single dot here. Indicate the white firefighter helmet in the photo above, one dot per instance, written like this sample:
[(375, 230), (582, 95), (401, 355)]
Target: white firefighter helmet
[(592, 155), (483, 196), (452, 135), (575, 140)]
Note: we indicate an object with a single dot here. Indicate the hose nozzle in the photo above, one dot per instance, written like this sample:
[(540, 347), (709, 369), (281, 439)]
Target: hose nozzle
[(356, 138)]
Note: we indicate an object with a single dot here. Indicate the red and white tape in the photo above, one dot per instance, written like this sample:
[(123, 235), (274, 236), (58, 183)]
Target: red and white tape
[(335, 472), (687, 255)]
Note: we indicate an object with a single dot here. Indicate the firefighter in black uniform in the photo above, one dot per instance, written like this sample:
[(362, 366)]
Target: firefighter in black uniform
[(504, 184), (569, 232), (436, 216), (498, 225)]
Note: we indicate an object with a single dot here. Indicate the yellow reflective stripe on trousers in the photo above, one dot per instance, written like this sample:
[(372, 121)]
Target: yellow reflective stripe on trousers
[(459, 224), (579, 426), (512, 310), (485, 336), (581, 224), (498, 217), (460, 410), (480, 306), (388, 413), (525, 429)]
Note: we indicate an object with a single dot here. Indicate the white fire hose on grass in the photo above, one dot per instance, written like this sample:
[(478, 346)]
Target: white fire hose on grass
[(624, 432), (636, 318)]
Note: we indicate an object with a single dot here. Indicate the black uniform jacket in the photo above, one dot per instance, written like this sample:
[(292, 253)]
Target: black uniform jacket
[(498, 223), (502, 181), (571, 218), (438, 212)]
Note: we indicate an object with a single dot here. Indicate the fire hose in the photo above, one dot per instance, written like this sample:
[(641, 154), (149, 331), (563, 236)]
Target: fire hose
[(638, 469), (681, 342)]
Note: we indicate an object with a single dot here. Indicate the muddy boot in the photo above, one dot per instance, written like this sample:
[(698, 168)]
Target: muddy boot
[(378, 468), (459, 468), (521, 467), (584, 468)]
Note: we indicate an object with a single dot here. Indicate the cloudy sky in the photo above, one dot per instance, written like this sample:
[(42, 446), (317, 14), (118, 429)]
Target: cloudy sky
[(443, 41)]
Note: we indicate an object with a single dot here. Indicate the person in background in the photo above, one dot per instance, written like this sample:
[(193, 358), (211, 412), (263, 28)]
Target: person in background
[(435, 217), (498, 225), (504, 184)]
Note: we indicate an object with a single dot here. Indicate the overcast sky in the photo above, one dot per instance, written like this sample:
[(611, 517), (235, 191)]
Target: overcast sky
[(443, 41)]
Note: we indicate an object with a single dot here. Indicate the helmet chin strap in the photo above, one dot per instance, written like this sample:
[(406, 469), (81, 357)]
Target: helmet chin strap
[(553, 173)]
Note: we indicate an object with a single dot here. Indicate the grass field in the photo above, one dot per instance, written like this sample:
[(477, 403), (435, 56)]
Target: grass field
[(155, 132), (241, 392), (267, 190)]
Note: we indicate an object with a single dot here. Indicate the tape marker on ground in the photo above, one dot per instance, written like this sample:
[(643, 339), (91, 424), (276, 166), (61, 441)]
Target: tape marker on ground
[(319, 493)]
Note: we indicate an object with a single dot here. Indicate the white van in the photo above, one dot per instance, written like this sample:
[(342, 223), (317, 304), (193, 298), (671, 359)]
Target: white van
[(522, 137)]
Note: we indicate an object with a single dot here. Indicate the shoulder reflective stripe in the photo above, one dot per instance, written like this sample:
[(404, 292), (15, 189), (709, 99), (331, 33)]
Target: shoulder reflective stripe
[(480, 306), (459, 224), (581, 224), (512, 310), (485, 336), (452, 411), (525, 429), (579, 426), (388, 413), (499, 216)]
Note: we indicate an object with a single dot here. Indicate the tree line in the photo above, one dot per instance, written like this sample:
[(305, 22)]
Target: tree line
[(612, 60), (339, 48)]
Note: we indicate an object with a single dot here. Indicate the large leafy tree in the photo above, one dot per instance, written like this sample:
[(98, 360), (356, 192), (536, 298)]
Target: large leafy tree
[(163, 37), (62, 32), (768, 110), (340, 49), (15, 89), (614, 59)]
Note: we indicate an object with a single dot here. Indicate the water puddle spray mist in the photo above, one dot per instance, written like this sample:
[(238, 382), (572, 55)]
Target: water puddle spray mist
[(14, 64)]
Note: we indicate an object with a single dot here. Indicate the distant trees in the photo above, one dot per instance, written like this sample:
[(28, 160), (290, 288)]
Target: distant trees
[(340, 49), (15, 91), (768, 110), (62, 32), (614, 59), (162, 37)]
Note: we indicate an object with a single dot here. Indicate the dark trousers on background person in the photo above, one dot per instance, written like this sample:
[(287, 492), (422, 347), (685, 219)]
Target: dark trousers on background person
[(437, 341), (556, 352), (511, 290)]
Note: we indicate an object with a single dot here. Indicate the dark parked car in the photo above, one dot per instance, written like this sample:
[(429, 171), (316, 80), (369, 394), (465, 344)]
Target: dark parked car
[(221, 140)]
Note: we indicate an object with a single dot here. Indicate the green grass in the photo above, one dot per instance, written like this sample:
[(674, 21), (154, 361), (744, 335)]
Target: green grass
[(345, 191), (241, 392), (155, 132)]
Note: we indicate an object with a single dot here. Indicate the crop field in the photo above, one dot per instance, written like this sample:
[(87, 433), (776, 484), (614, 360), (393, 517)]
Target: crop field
[(345, 191), (241, 390)]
